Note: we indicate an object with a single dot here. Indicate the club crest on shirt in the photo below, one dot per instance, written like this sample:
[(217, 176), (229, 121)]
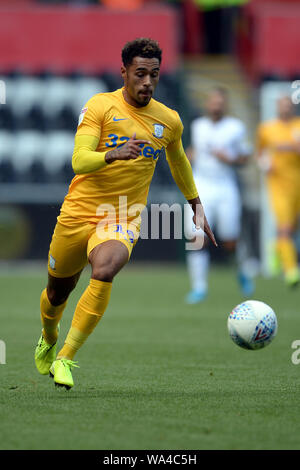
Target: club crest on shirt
[(81, 115), (158, 130), (52, 262)]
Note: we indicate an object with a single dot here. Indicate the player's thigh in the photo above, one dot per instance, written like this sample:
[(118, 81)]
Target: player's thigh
[(110, 247), (229, 214), (67, 253)]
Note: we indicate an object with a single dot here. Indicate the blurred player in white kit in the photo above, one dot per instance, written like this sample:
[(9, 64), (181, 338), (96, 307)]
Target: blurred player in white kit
[(218, 145)]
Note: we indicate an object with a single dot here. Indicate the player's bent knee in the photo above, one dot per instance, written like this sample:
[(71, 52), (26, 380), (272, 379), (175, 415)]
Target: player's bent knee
[(107, 260), (104, 275), (106, 272)]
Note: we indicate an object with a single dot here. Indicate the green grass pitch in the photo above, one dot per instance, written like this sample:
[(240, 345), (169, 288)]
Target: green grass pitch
[(156, 374)]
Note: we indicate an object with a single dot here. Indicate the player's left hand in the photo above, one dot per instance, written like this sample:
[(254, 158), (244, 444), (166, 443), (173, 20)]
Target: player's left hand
[(200, 221), (206, 229)]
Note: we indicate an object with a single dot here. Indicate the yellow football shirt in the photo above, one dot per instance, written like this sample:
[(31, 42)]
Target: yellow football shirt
[(122, 184), (285, 164), (283, 181)]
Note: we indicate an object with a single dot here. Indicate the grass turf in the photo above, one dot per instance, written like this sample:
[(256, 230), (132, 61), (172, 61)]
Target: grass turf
[(156, 374)]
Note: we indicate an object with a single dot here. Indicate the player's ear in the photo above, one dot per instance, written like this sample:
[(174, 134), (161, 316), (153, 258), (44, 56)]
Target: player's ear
[(123, 72)]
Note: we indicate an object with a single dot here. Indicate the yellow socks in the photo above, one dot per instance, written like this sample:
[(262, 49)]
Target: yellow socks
[(50, 316), (89, 310), (288, 254)]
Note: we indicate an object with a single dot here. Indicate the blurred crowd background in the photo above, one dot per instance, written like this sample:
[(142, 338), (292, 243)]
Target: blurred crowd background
[(54, 55)]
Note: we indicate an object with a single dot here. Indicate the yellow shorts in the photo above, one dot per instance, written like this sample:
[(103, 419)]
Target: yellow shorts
[(285, 202), (72, 243)]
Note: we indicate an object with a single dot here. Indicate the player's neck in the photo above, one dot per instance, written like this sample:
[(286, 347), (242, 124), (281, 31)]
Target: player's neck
[(216, 117)]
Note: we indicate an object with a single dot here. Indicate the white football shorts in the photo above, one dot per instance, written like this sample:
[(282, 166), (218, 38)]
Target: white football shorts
[(222, 207)]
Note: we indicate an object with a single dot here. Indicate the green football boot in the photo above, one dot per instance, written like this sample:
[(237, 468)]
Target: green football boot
[(60, 371), (44, 355), (292, 278)]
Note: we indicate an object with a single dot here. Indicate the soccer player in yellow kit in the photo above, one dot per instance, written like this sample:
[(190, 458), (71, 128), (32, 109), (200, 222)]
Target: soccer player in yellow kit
[(278, 145), (120, 136)]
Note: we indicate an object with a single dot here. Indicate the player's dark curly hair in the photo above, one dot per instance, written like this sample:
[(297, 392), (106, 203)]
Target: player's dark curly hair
[(141, 47)]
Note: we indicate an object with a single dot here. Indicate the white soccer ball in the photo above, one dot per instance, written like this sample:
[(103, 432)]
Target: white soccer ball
[(252, 324)]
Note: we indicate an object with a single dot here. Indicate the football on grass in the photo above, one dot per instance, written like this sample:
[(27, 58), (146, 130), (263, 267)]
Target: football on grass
[(252, 324)]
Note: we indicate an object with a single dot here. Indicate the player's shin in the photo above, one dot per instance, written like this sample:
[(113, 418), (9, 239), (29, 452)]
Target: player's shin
[(50, 317), (88, 312)]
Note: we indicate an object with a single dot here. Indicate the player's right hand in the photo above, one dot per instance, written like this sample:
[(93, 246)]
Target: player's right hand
[(128, 151)]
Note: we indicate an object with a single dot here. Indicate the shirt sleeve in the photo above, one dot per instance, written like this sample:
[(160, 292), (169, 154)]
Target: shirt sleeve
[(180, 166), (178, 128), (181, 170), (91, 118), (85, 159)]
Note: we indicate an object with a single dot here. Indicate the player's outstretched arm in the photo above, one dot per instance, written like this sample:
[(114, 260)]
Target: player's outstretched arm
[(183, 176), (86, 159)]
